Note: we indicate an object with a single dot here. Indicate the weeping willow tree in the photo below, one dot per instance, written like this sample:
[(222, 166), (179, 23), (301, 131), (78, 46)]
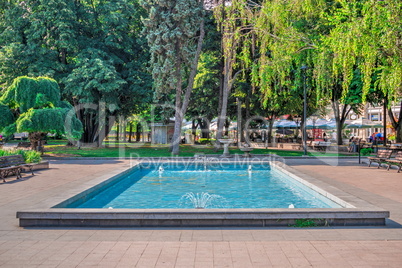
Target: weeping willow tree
[(172, 29), (338, 72), (315, 34), (286, 34), (33, 105), (381, 51), (233, 18), (364, 44), (349, 47)]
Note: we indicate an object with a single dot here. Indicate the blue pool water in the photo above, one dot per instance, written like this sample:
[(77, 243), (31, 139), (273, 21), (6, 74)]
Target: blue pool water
[(206, 187)]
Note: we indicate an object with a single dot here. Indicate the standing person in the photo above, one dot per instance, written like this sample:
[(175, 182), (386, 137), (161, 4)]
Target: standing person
[(352, 145), (334, 136)]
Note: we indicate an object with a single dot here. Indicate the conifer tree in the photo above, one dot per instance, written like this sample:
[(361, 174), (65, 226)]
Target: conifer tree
[(172, 29)]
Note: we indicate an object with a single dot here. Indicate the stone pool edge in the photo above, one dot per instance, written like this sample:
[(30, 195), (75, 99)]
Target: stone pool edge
[(357, 212)]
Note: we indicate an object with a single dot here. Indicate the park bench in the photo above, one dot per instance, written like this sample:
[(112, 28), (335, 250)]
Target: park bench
[(397, 161), (320, 145), (24, 144), (381, 157), (13, 164)]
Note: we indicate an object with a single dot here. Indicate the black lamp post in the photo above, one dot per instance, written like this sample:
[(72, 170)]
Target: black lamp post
[(304, 68)]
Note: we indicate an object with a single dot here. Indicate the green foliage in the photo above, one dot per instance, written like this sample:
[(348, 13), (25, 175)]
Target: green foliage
[(26, 92), (36, 101), (95, 79), (170, 29), (31, 156), (303, 223), (6, 116), (366, 151), (9, 130), (205, 98), (206, 141), (28, 155), (47, 120), (93, 48)]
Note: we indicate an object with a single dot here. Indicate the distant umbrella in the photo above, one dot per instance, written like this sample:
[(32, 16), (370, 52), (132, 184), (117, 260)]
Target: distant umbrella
[(285, 124), (363, 124), (320, 124), (284, 131)]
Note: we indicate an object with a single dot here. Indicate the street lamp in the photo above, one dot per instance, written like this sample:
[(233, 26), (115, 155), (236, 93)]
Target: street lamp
[(304, 68)]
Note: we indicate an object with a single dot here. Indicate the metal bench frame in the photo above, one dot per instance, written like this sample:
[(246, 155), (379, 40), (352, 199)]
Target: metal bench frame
[(13, 164), (397, 161), (382, 156)]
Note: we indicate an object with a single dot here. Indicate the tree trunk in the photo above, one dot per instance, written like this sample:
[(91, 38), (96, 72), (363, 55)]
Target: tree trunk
[(63, 56), (124, 132), (138, 132), (182, 108), (397, 125), (204, 125), (35, 139), (96, 124), (130, 132), (385, 120), (270, 127), (239, 124), (117, 131), (194, 128), (340, 114), (229, 57)]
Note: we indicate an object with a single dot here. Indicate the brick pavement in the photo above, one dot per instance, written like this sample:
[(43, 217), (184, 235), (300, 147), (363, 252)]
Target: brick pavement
[(201, 247)]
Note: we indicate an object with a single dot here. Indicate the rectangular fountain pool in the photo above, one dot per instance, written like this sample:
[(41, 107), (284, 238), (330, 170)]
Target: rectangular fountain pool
[(230, 194), (204, 186)]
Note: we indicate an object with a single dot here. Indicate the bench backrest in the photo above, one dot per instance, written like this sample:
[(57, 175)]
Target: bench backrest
[(384, 153), (325, 143), (3, 162), (398, 156), (14, 160), (24, 144)]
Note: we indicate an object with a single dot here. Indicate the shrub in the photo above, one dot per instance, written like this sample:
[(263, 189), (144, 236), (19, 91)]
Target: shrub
[(366, 151), (29, 156), (205, 141)]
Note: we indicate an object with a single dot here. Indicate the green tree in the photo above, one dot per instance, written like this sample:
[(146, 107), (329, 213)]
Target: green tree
[(171, 28), (93, 48), (306, 33), (205, 97), (380, 48), (36, 106), (233, 22), (285, 34)]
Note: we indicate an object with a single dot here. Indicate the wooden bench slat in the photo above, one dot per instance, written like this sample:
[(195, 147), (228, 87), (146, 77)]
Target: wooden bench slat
[(13, 164), (382, 156), (397, 161)]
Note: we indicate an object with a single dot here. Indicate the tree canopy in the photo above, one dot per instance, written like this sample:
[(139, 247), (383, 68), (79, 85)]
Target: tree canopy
[(33, 105), (172, 28), (94, 49)]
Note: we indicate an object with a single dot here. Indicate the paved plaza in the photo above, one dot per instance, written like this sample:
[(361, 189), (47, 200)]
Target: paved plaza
[(201, 247)]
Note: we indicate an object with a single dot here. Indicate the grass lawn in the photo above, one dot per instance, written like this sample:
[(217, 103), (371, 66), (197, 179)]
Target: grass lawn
[(58, 148)]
